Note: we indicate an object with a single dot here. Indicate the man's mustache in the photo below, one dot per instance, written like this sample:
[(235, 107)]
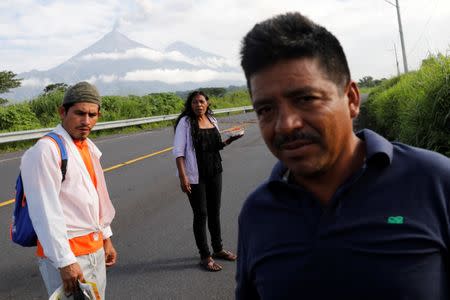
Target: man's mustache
[(281, 139)]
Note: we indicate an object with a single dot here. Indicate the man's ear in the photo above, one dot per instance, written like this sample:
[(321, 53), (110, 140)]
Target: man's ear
[(61, 112), (354, 99)]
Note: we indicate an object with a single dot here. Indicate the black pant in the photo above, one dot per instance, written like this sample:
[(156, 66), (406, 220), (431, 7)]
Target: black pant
[(205, 202)]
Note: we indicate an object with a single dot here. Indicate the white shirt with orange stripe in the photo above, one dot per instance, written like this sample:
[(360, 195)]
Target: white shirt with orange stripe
[(65, 210)]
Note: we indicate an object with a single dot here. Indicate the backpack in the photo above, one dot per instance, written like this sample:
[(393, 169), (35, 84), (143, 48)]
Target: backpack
[(21, 229)]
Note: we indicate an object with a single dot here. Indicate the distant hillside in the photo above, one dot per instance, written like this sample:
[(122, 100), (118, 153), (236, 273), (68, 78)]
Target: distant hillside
[(118, 65)]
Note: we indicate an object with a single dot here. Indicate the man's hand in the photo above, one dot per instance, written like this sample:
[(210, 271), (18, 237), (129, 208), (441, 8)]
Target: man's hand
[(70, 275), (110, 253)]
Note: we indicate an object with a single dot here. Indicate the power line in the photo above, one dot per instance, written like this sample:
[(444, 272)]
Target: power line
[(424, 28)]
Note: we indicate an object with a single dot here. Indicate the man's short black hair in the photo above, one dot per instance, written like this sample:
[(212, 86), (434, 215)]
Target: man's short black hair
[(67, 106), (291, 36)]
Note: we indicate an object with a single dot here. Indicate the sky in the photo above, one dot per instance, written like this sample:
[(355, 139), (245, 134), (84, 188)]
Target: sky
[(41, 34)]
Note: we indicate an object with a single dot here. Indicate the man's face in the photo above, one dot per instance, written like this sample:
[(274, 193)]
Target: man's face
[(79, 120), (305, 120)]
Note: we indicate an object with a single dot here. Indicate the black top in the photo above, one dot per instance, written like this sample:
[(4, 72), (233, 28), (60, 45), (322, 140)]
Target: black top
[(384, 235), (207, 149)]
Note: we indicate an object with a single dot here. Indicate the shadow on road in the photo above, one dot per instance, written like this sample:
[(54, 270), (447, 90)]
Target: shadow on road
[(175, 264)]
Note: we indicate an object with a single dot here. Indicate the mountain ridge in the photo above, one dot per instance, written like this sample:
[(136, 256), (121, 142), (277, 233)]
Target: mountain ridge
[(118, 65)]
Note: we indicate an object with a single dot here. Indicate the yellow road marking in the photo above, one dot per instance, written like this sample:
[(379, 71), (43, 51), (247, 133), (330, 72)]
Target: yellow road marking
[(10, 201), (7, 202), (136, 159)]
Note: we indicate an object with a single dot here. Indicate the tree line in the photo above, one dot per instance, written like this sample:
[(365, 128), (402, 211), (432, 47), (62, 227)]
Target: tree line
[(41, 112), (413, 108)]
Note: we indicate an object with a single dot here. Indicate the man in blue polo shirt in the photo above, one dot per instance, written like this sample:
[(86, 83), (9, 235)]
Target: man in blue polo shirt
[(343, 215)]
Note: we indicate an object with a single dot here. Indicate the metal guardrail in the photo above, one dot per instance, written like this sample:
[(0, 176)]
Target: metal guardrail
[(37, 133)]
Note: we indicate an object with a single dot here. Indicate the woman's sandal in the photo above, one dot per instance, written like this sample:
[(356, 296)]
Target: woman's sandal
[(225, 255), (210, 265)]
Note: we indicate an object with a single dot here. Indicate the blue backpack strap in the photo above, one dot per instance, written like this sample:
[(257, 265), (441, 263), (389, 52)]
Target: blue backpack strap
[(62, 148)]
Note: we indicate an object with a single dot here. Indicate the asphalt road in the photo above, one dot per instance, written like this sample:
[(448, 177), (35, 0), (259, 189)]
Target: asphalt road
[(153, 225)]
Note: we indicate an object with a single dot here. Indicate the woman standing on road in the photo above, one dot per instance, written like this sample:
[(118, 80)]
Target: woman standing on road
[(196, 149)]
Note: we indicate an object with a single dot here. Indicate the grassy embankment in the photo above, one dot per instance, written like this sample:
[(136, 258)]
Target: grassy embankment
[(42, 112), (413, 108)]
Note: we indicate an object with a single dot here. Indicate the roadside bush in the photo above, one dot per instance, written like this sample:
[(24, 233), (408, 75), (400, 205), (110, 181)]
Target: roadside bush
[(17, 117), (231, 99), (426, 120), (45, 107), (122, 108), (368, 114), (164, 103), (414, 108)]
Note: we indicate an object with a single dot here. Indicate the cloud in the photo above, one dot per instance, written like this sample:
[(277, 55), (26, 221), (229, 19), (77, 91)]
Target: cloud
[(173, 76), (170, 76), (34, 19), (154, 55), (36, 82), (103, 78)]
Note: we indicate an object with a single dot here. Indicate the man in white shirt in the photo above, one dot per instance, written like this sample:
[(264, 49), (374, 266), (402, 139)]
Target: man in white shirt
[(71, 217)]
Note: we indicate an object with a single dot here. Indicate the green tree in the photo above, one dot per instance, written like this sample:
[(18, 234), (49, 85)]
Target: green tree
[(3, 101), (55, 86), (366, 81), (369, 82), (214, 91), (7, 81)]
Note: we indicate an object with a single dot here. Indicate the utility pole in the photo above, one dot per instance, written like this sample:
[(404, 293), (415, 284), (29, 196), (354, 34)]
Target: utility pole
[(396, 60), (405, 63)]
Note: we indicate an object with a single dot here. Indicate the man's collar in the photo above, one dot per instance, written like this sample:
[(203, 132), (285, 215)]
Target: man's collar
[(377, 147), (279, 172)]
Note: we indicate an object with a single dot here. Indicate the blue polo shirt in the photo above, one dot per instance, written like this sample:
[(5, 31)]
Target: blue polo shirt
[(384, 235)]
